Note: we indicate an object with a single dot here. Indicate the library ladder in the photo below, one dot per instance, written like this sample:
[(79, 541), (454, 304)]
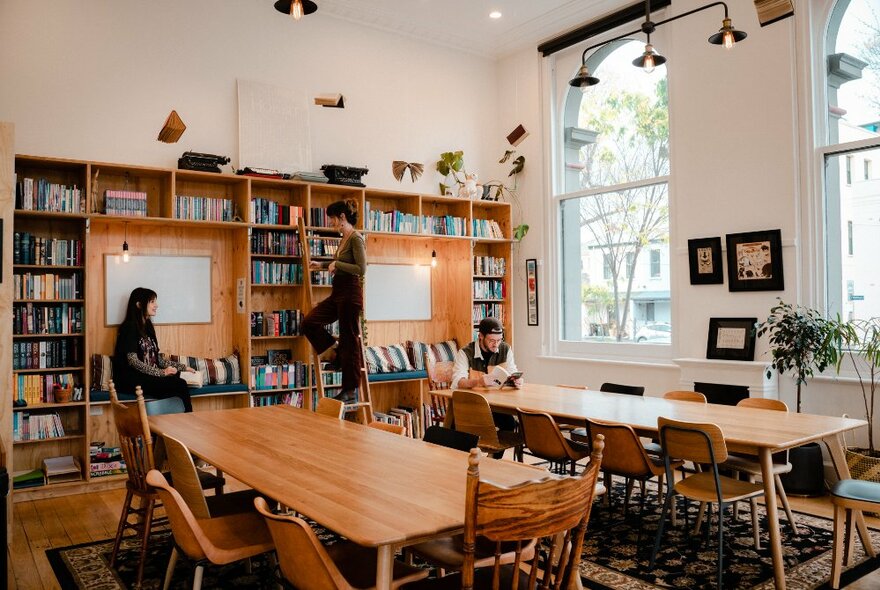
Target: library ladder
[(363, 406)]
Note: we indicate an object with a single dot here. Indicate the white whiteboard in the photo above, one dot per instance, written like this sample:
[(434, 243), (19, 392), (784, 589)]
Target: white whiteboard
[(398, 292), (273, 128), (182, 284)]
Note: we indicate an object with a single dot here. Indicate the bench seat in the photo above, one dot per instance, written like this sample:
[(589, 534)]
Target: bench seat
[(98, 396), (399, 376)]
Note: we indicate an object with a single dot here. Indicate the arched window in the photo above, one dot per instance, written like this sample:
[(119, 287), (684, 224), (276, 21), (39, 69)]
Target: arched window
[(851, 153), (613, 205)]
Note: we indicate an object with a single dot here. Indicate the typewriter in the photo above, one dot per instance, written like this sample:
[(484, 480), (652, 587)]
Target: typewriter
[(347, 175), (201, 162)]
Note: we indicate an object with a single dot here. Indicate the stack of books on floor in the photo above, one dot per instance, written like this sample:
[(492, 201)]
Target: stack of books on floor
[(104, 461)]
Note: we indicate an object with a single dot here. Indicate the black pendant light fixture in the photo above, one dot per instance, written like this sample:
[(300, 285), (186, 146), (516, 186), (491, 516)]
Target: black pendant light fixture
[(727, 36), (296, 8)]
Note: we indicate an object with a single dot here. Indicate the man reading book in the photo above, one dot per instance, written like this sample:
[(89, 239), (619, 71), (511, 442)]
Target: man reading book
[(474, 362)]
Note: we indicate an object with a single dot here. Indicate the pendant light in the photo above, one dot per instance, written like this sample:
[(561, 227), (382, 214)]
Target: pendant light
[(296, 8)]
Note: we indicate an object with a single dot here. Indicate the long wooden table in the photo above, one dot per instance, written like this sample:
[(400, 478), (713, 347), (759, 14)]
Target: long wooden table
[(375, 488), (760, 432)]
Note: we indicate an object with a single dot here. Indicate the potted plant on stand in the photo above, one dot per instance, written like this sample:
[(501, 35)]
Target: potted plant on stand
[(800, 342), (859, 340)]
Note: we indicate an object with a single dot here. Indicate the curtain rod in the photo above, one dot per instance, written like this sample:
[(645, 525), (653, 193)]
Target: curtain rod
[(597, 27)]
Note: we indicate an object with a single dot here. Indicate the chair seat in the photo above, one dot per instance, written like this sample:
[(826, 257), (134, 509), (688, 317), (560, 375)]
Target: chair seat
[(701, 487), (237, 536), (856, 490), (357, 565), (207, 479), (482, 579), (448, 552), (751, 465), (506, 440), (653, 448), (231, 503)]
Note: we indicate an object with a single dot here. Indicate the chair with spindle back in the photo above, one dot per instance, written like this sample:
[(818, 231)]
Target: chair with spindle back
[(473, 415), (439, 377), (541, 519)]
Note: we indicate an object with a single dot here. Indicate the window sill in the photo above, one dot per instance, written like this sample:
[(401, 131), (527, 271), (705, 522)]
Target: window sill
[(663, 364)]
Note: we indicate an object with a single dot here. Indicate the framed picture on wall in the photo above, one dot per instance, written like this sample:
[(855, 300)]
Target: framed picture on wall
[(731, 339), (754, 261), (704, 256), (532, 291)]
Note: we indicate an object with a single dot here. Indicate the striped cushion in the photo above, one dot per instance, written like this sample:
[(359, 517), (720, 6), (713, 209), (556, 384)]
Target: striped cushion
[(387, 359), (439, 352), (224, 371), (102, 371)]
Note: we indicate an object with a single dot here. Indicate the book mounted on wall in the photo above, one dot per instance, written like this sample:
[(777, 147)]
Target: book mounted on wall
[(172, 129), (770, 11)]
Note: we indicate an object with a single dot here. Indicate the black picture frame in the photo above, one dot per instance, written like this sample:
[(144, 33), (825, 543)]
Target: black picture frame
[(704, 256), (731, 339), (532, 291), (754, 261)]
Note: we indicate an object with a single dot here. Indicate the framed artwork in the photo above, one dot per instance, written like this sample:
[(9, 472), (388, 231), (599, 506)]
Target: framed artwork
[(731, 339), (532, 290), (754, 261), (704, 255)]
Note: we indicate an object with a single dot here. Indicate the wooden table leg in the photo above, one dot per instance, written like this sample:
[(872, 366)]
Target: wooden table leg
[(838, 458), (772, 516), (384, 567)]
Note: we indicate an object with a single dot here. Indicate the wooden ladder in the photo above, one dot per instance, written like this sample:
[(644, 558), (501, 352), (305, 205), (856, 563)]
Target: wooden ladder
[(363, 407)]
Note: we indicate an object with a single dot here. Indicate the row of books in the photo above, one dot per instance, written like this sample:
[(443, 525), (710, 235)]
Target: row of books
[(43, 195), (321, 277), (125, 203), (489, 289), (267, 272), (409, 418), (488, 310), (41, 318), (444, 225), (26, 426), (319, 217), (280, 322), (290, 375), (391, 221), (331, 378), (289, 398), (49, 286), (275, 243), (489, 266), (28, 248), (269, 212), (486, 228), (46, 354), (104, 461), (202, 208), (323, 245), (40, 389)]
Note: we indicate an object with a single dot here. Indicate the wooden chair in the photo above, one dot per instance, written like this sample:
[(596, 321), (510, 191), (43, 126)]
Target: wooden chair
[(328, 406), (217, 541), (306, 564), (447, 437), (473, 415), (704, 444), (750, 465), (186, 481), (439, 377), (544, 439), (392, 428), (848, 495), (623, 389), (685, 396), (541, 519)]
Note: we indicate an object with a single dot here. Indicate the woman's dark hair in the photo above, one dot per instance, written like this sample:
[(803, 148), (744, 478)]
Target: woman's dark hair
[(348, 208), (136, 312)]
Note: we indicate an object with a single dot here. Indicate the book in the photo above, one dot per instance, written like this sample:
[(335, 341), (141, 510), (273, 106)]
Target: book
[(61, 469), (330, 100), (192, 379), (27, 479), (280, 356), (499, 377)]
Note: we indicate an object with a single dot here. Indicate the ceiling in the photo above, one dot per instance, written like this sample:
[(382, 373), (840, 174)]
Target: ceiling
[(465, 24)]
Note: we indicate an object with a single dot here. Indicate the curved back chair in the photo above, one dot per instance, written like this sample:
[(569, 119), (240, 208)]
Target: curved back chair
[(624, 389), (473, 415), (544, 439), (328, 406), (218, 541), (446, 437), (392, 428), (307, 565), (685, 396)]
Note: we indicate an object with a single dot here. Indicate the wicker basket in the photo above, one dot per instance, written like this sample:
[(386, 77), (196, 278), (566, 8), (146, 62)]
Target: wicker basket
[(62, 396), (863, 466)]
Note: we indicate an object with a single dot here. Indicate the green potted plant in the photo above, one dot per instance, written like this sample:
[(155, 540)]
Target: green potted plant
[(449, 165), (494, 190), (800, 342), (859, 341)]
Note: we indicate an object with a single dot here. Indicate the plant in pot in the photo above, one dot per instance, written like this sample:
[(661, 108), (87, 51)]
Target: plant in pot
[(800, 343), (859, 341), (494, 190), (450, 165)]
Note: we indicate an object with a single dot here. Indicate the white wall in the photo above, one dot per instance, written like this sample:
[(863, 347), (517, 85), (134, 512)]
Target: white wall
[(95, 79)]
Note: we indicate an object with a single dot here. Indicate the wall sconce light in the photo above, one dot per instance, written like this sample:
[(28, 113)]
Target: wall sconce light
[(433, 258), (726, 36), (296, 8), (125, 256)]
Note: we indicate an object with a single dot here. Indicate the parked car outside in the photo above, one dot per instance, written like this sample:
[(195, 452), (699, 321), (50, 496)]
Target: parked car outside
[(654, 332)]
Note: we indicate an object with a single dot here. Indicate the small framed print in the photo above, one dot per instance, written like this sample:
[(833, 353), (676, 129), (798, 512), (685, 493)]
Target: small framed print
[(704, 255), (754, 261), (532, 291), (731, 339)]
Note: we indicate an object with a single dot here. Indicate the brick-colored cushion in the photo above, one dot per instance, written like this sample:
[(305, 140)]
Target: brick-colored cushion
[(387, 359)]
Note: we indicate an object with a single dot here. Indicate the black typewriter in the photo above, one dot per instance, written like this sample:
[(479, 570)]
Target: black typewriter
[(347, 175), (201, 162)]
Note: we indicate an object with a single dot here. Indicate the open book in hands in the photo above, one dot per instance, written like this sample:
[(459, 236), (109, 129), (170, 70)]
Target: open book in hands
[(192, 379), (501, 377)]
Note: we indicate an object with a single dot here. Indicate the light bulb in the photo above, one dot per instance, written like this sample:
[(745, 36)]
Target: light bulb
[(584, 87), (296, 9), (728, 40), (433, 258), (125, 252), (649, 63)]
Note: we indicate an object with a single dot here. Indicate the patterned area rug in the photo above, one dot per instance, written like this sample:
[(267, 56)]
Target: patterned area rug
[(615, 556)]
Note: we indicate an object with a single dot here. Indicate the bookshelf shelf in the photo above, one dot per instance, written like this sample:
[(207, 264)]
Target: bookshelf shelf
[(73, 436), (47, 370), (27, 267), (33, 407), (48, 301), (265, 338), (41, 336)]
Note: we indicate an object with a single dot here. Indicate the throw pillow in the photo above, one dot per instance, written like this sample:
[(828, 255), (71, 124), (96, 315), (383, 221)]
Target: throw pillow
[(440, 352), (102, 371), (223, 371), (387, 359)]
